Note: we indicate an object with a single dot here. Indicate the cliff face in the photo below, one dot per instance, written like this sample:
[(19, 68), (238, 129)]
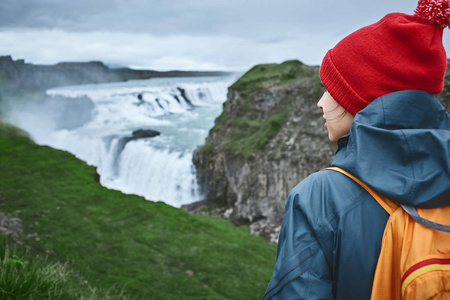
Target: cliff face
[(269, 137)]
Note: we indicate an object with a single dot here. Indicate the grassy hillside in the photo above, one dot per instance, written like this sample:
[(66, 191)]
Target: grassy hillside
[(151, 250)]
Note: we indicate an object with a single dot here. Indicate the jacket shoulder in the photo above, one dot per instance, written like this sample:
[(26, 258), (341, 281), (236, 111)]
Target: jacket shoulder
[(327, 195)]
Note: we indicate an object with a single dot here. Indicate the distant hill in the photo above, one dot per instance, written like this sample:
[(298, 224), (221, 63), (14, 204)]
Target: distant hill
[(42, 77)]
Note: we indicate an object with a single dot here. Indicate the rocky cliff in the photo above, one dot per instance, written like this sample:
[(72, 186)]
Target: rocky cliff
[(269, 137)]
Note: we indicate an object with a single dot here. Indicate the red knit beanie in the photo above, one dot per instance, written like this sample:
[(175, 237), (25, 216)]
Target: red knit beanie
[(399, 52)]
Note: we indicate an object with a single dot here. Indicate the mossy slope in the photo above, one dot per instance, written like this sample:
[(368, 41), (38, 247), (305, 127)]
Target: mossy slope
[(153, 250)]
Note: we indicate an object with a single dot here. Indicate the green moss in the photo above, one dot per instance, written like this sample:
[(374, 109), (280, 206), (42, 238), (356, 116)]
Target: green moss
[(248, 136), (154, 250), (268, 75)]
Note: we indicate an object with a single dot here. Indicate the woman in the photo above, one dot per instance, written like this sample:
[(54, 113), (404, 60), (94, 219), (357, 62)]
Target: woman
[(391, 132)]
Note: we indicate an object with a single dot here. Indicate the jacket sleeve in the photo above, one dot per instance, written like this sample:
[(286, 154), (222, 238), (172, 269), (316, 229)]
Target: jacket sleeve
[(301, 270)]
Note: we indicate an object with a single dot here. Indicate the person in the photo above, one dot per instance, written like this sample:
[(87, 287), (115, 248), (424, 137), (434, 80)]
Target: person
[(391, 132)]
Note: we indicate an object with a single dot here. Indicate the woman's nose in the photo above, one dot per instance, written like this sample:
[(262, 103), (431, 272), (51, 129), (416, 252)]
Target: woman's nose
[(319, 103)]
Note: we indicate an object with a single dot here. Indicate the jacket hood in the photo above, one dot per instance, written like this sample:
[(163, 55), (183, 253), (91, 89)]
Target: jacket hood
[(400, 145)]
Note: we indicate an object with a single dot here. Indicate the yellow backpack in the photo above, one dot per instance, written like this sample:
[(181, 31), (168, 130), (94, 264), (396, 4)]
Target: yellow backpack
[(414, 261)]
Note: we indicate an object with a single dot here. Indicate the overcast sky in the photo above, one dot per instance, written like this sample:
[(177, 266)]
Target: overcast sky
[(231, 35)]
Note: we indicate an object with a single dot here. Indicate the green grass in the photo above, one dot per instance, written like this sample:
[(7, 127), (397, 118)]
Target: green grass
[(250, 135), (269, 75), (24, 275), (152, 250)]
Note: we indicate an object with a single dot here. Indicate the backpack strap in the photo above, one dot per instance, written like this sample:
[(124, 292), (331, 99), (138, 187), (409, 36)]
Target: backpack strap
[(415, 215), (388, 205)]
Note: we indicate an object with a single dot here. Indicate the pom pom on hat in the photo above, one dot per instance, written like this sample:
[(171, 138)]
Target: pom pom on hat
[(399, 52), (436, 12)]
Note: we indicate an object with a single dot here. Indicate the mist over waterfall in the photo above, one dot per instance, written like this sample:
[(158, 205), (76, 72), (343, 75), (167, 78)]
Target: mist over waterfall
[(140, 134)]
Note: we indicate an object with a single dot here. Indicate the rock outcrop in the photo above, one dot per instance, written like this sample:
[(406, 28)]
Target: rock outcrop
[(269, 137), (145, 133), (11, 225)]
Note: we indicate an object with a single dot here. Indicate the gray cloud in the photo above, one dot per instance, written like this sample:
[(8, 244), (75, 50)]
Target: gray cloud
[(247, 18), (51, 13), (179, 34)]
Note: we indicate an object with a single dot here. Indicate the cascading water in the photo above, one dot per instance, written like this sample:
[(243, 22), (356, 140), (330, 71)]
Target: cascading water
[(120, 139)]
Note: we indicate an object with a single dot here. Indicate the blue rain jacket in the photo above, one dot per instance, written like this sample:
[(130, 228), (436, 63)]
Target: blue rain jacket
[(332, 228)]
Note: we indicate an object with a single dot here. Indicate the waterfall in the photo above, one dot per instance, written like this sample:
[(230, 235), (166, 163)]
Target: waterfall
[(176, 112)]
